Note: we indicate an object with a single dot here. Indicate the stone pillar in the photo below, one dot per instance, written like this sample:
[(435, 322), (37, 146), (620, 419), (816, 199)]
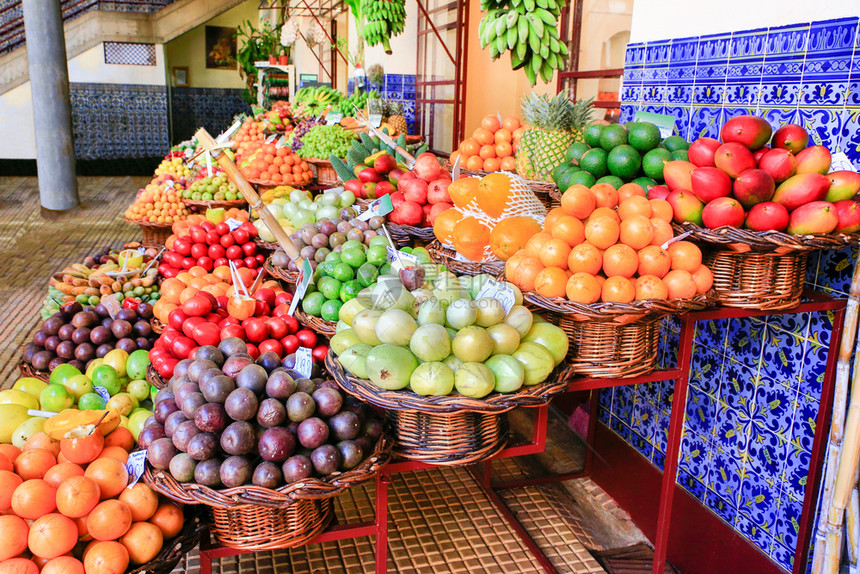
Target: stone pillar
[(52, 112)]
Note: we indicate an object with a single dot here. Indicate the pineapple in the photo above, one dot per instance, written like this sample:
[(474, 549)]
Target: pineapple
[(394, 111), (554, 124)]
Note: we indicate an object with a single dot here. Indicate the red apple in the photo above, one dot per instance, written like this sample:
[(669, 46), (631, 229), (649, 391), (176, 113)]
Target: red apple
[(709, 183)]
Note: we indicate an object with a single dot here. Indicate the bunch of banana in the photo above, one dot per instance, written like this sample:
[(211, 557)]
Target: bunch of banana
[(357, 100), (274, 193), (317, 98), (384, 19), (529, 30)]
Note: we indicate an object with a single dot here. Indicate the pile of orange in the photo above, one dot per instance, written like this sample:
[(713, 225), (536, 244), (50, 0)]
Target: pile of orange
[(278, 165), (492, 146), (158, 203), (248, 138), (59, 517), (604, 244)]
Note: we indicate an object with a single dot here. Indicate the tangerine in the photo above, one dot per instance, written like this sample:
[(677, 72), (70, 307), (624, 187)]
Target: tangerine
[(620, 260), (9, 481), (34, 463), (106, 558), (503, 149), (34, 498), (143, 542), (663, 231), (618, 289), (635, 205), (491, 164), (110, 474), (650, 287), (487, 151), (121, 437), (685, 256), (474, 163), (63, 565), (169, 519), (470, 147), (605, 195), (508, 163), (653, 260), (569, 229), (170, 290), (42, 440), (535, 243), (512, 263), (142, 501), (583, 288), (585, 258), (605, 212), (680, 284), (5, 463), (13, 536), (661, 209), (511, 123), (602, 232), (18, 566), (527, 273), (116, 452), (554, 253), (52, 535), (109, 520), (491, 123), (636, 231), (578, 201), (551, 282), (704, 279), (483, 136), (77, 496), (630, 190), (503, 135), (10, 451)]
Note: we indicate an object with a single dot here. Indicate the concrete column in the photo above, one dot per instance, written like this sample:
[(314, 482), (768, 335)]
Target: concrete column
[(52, 112)]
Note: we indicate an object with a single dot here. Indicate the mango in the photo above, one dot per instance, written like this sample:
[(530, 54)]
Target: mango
[(780, 164), (709, 183), (27, 429), (686, 207), (734, 159), (791, 137), (843, 185), (11, 417), (767, 216), (815, 217), (848, 211), (30, 385), (814, 159), (723, 211), (18, 397), (58, 425), (753, 186), (801, 189), (677, 175), (749, 131)]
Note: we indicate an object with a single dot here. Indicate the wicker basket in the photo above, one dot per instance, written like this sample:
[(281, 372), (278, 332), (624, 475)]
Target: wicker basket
[(316, 324), (546, 191), (326, 175), (291, 277), (403, 235), (266, 245), (200, 205), (176, 548), (452, 429), (771, 281), (744, 240), (153, 378), (153, 233), (448, 258), (255, 518), (27, 370)]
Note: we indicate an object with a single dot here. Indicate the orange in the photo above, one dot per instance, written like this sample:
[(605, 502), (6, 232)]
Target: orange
[(636, 231), (654, 261), (503, 149), (685, 256), (510, 123), (469, 147), (5, 463), (630, 190), (170, 290), (585, 258), (77, 496), (109, 520), (513, 263), (605, 212), (42, 440), (503, 135), (491, 123), (569, 229), (491, 164), (635, 205), (578, 201), (527, 273), (110, 474), (680, 283), (487, 151), (704, 279), (443, 227), (651, 287), (602, 232), (620, 260), (470, 237), (535, 243), (605, 195), (9, 481), (63, 565), (511, 234), (463, 190), (474, 163), (81, 523), (483, 136), (551, 282), (618, 289), (52, 535), (34, 498), (13, 536), (661, 209), (222, 272), (18, 566), (116, 452), (197, 271), (106, 558), (554, 253), (187, 294), (508, 163), (583, 288), (662, 231), (518, 133), (10, 451), (169, 519), (34, 463), (143, 542), (247, 275), (141, 500), (551, 217), (185, 277), (493, 194), (121, 437)]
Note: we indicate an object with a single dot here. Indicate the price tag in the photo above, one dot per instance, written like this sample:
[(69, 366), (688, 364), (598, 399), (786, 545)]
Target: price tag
[(233, 223), (381, 206), (333, 118), (304, 279), (460, 257), (337, 190), (665, 123), (840, 162), (304, 362), (141, 250), (112, 305), (169, 183), (208, 164), (102, 392), (455, 173), (375, 120), (498, 115), (228, 133), (271, 138), (282, 142), (498, 290), (135, 465), (406, 259)]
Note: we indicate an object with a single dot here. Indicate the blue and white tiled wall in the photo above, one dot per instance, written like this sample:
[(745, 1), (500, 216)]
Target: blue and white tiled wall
[(755, 384), (397, 87)]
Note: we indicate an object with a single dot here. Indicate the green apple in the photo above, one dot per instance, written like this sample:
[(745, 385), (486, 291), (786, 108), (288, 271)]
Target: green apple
[(138, 389), (92, 402), (56, 398), (79, 385), (106, 376)]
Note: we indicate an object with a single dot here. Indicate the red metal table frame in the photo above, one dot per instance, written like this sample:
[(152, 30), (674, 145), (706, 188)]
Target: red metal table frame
[(815, 303)]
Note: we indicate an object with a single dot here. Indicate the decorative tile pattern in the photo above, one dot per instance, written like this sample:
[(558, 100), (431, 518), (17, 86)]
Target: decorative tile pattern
[(399, 88), (211, 108), (754, 384), (129, 53)]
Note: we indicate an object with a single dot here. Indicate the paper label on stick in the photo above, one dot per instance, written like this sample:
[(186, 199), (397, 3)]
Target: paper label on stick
[(225, 136), (337, 190), (333, 118), (400, 259), (282, 142), (271, 138), (375, 120), (497, 290), (134, 466), (233, 223), (381, 207), (113, 306), (665, 123), (455, 173), (304, 362), (102, 392), (305, 276), (840, 162)]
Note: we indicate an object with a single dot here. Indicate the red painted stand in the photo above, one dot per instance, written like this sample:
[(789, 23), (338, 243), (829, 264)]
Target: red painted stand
[(816, 302)]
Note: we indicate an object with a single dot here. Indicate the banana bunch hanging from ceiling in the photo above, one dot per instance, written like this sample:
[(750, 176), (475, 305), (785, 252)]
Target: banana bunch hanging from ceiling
[(529, 30), (384, 19)]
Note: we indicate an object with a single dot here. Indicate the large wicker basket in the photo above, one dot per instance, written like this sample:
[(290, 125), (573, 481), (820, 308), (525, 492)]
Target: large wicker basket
[(448, 257), (153, 378), (153, 233), (326, 175), (27, 370), (201, 205), (316, 324), (404, 235), (547, 192), (291, 277), (256, 518), (448, 430)]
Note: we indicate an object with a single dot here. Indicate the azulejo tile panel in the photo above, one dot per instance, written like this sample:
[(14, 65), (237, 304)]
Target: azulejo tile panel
[(211, 108), (754, 384)]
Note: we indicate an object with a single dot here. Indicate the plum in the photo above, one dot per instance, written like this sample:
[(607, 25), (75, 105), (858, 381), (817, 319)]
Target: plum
[(202, 446), (300, 406), (208, 473), (182, 467), (241, 404), (326, 459), (280, 385), (271, 413), (276, 444), (211, 418), (328, 401), (344, 425), (297, 467)]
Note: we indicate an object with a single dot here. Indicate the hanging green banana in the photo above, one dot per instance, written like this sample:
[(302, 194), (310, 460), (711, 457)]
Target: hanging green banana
[(384, 19)]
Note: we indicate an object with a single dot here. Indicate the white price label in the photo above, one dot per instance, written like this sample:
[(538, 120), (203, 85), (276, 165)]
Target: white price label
[(302, 287), (381, 207), (271, 138), (135, 465), (169, 183), (141, 250), (333, 118), (209, 164), (375, 120), (304, 362), (337, 190), (282, 142), (405, 260), (233, 223), (102, 392), (225, 137), (497, 290), (112, 305), (840, 162), (460, 257), (455, 173)]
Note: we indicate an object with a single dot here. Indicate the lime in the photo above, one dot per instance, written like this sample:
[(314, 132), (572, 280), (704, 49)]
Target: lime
[(137, 363), (613, 135), (107, 377), (581, 178), (378, 240), (612, 180), (92, 402), (377, 254), (653, 162), (575, 151), (594, 162), (63, 373), (673, 143), (334, 256), (643, 136), (342, 272), (680, 154), (56, 398), (312, 304), (330, 309), (385, 268), (325, 268), (349, 290), (645, 183), (560, 173), (353, 257), (591, 134), (366, 275), (624, 161), (329, 287)]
